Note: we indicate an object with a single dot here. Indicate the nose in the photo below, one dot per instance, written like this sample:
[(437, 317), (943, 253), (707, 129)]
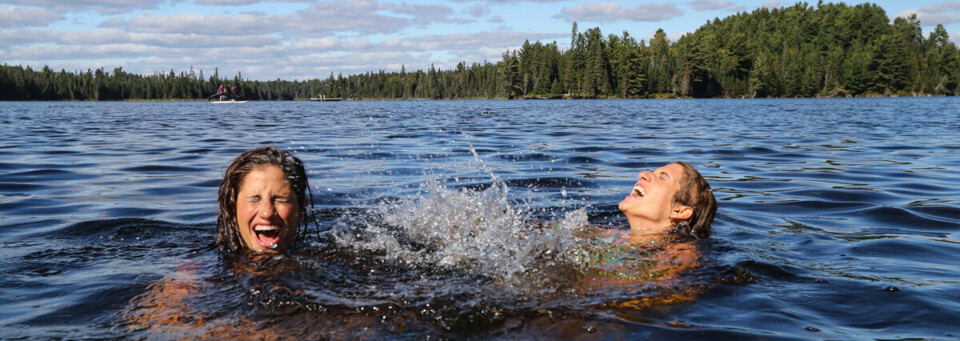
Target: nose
[(645, 176), (267, 209)]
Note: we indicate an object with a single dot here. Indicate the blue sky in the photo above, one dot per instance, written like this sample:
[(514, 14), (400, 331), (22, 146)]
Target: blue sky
[(305, 39)]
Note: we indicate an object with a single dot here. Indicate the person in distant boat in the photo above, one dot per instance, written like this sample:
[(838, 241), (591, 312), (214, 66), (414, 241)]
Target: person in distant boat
[(233, 92), (263, 202), (222, 93)]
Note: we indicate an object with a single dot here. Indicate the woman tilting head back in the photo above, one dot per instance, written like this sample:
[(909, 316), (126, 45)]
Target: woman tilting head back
[(672, 199), (263, 202)]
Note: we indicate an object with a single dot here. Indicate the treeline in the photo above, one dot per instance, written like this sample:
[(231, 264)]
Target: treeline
[(798, 51), (17, 83)]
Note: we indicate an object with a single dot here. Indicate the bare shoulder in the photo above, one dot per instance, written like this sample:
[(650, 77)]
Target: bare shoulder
[(682, 253)]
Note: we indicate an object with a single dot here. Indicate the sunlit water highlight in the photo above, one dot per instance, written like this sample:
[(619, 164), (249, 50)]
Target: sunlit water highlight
[(838, 219)]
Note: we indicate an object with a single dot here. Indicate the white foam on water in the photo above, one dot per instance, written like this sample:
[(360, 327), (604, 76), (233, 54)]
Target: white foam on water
[(477, 230)]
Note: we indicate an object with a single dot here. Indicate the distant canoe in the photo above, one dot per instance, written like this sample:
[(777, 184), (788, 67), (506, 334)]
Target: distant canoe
[(217, 102)]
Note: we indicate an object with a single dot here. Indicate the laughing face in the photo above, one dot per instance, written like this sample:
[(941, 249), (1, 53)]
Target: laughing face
[(267, 210), (650, 206)]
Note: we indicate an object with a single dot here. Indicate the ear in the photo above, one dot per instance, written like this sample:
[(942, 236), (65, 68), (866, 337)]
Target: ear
[(681, 212)]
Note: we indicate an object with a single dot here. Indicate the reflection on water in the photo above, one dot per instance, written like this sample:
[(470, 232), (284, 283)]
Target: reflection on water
[(838, 218)]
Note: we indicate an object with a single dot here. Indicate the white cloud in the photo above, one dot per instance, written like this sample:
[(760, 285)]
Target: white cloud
[(710, 5), (414, 52), (340, 16), (464, 43), (478, 10), (102, 6), (320, 66), (87, 52), (14, 37), (945, 13), (16, 16), (240, 24), (428, 14), (591, 11), (116, 36), (457, 44), (652, 12), (404, 8), (771, 4), (611, 11), (321, 44), (241, 2), (511, 1), (101, 44), (226, 2), (332, 17)]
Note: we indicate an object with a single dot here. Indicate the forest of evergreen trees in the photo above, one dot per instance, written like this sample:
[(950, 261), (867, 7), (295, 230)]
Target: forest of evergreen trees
[(798, 51)]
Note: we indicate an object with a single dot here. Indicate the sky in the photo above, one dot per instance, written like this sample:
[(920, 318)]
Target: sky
[(307, 39)]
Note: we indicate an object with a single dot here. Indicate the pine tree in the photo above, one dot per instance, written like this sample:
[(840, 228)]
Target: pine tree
[(509, 76)]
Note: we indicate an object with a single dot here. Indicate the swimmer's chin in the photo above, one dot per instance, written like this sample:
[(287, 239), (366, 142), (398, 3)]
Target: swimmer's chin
[(268, 237), (267, 250), (258, 250), (627, 199)]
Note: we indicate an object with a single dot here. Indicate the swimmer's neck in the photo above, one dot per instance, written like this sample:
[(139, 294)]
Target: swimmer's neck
[(646, 236), (644, 228)]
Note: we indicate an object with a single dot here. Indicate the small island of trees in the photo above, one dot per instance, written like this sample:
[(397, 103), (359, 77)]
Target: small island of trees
[(799, 51)]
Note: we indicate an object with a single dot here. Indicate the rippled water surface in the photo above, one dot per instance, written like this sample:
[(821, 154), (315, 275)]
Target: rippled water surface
[(838, 218)]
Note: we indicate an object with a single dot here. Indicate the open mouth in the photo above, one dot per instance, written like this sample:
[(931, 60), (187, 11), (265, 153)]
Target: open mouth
[(267, 235), (638, 191)]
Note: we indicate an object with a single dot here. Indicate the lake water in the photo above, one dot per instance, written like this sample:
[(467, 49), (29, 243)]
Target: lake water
[(838, 218)]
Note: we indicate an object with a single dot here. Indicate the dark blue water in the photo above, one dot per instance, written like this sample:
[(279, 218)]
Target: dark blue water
[(838, 218)]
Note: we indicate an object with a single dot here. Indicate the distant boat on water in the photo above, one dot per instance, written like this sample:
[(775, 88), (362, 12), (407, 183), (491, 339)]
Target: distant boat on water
[(226, 97)]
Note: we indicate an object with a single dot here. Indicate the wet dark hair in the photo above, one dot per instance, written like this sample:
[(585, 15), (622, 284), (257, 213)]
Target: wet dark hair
[(696, 193), (228, 233)]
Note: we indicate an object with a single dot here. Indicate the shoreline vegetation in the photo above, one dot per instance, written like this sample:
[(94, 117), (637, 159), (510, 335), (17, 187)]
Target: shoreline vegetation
[(827, 50)]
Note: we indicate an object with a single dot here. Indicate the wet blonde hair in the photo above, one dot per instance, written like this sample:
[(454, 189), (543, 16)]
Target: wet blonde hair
[(696, 193)]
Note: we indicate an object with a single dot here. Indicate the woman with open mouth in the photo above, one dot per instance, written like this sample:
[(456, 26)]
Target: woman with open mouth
[(673, 202), (668, 210), (263, 202)]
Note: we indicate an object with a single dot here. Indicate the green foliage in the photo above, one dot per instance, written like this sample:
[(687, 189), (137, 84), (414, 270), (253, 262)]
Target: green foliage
[(797, 51), (509, 76)]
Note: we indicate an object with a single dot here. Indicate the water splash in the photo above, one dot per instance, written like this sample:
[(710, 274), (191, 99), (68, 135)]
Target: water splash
[(477, 230)]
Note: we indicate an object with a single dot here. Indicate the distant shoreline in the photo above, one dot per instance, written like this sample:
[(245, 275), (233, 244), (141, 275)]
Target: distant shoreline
[(470, 99)]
